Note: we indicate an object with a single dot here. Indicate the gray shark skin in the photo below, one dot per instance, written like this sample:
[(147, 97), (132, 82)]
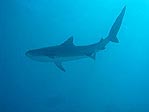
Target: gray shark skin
[(67, 51)]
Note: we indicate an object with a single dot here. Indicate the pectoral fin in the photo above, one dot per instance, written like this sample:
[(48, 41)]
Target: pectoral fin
[(60, 66)]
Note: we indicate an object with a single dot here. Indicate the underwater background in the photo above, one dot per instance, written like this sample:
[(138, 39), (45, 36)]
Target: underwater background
[(117, 81)]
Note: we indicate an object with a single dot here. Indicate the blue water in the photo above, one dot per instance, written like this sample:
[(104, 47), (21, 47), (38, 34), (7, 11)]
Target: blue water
[(117, 81)]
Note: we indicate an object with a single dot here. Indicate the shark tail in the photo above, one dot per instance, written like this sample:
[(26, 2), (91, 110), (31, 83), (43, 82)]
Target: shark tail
[(116, 26)]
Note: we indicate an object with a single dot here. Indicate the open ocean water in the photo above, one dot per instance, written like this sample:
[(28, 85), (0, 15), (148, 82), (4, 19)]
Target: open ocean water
[(117, 81)]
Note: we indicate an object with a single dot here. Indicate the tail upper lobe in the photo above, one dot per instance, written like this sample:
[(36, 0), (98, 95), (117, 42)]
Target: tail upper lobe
[(116, 26)]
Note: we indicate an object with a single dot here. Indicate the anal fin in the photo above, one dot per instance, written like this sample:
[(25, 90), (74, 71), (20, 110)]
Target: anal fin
[(92, 55), (102, 48), (114, 39)]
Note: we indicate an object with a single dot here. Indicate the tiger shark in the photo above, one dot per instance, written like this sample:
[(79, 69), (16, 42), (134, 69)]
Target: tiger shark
[(68, 51)]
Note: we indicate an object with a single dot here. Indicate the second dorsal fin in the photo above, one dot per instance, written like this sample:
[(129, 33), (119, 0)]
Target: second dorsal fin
[(68, 42)]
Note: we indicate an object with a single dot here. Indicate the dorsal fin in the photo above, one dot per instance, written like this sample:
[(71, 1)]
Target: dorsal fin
[(69, 41)]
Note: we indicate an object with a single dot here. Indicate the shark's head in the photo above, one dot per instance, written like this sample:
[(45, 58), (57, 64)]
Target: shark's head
[(37, 56), (29, 54)]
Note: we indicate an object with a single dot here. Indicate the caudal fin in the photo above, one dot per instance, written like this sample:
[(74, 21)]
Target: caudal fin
[(116, 26)]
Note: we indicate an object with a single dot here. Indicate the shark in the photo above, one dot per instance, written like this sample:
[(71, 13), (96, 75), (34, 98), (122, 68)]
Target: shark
[(68, 51)]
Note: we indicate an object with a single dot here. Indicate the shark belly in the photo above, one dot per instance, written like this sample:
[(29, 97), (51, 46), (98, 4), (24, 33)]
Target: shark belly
[(63, 59), (41, 58), (54, 59)]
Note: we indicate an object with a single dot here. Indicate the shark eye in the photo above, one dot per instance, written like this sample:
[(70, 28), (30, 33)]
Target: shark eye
[(28, 53)]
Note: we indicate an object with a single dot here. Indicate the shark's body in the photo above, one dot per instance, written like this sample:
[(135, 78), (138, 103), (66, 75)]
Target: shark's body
[(67, 51)]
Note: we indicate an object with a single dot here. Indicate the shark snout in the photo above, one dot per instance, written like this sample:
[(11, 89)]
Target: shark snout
[(28, 54)]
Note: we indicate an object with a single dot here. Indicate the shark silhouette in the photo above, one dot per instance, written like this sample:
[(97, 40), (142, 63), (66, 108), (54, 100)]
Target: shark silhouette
[(67, 51)]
